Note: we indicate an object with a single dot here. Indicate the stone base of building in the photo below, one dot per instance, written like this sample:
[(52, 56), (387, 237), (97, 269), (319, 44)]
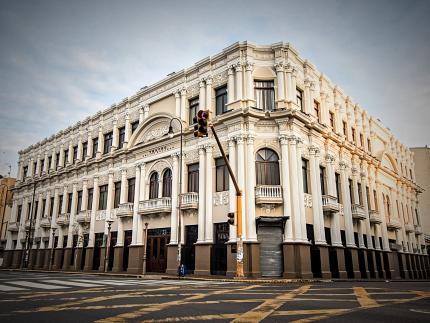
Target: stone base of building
[(340, 254), (77, 263), (203, 259), (40, 257), (47, 259), (89, 256), (32, 258), (135, 259), (117, 259), (102, 259), (297, 261), (355, 262), (172, 263), (231, 259), (325, 262), (16, 258), (371, 263), (67, 260), (58, 254), (7, 259), (251, 259), (393, 260)]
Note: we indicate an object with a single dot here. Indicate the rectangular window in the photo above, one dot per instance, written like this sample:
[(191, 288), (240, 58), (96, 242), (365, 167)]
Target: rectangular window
[(84, 150), (265, 95), (375, 198), (69, 202), (353, 135), (317, 110), (107, 142), (331, 114), (49, 163), (194, 108), (344, 128), (117, 195), (66, 157), (51, 207), (75, 154), (79, 202), (24, 172), (368, 145), (60, 203), (103, 197), (360, 192), (351, 195), (131, 189), (34, 168), (18, 214), (134, 126), (222, 176), (361, 140), (28, 210), (121, 137), (322, 180), (57, 160), (338, 188), (90, 199), (221, 100), (42, 165), (36, 208), (368, 197), (43, 207), (305, 175), (299, 98), (193, 178), (95, 147)]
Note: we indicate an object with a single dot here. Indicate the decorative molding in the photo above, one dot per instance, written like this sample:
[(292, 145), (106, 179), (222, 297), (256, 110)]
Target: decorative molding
[(221, 198)]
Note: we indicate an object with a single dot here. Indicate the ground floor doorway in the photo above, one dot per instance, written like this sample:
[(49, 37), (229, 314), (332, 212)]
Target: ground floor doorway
[(271, 258), (156, 250)]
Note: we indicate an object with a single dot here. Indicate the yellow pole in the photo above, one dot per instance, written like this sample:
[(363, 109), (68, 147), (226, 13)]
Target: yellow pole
[(239, 263)]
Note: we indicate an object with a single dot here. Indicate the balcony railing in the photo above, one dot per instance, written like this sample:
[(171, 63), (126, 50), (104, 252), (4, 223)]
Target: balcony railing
[(84, 216), (358, 212), (63, 219), (125, 209), (409, 227), (160, 205), (418, 229), (13, 226), (268, 194), (330, 204), (189, 201), (374, 217), (45, 222), (393, 223)]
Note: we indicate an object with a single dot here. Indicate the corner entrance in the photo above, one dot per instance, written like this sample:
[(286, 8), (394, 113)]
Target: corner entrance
[(270, 237)]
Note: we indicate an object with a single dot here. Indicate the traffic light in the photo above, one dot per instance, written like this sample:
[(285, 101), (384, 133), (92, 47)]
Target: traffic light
[(201, 124), (230, 216)]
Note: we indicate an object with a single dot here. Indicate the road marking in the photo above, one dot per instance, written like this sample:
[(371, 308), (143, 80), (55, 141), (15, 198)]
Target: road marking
[(364, 298), (37, 285), (104, 282), (209, 317), (5, 288), (308, 312), (70, 283), (419, 311), (269, 306)]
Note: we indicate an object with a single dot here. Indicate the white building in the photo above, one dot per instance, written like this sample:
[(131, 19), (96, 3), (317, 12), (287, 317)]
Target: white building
[(328, 191)]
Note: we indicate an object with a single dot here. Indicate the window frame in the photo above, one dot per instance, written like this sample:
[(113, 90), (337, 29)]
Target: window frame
[(193, 177), (221, 107), (267, 97), (193, 106), (107, 142), (103, 194), (222, 178), (299, 98)]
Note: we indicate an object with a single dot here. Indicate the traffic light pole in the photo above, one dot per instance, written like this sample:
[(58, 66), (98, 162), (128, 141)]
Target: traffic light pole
[(239, 258)]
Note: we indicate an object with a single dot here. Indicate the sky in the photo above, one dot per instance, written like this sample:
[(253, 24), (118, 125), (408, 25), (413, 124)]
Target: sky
[(61, 61)]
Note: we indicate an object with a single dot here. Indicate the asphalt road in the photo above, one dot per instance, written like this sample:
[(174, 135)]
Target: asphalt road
[(54, 297)]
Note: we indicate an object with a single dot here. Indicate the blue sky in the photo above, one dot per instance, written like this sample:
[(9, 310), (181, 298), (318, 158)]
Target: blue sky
[(61, 61)]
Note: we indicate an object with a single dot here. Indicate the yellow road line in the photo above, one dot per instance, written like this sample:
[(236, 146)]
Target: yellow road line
[(209, 317), (308, 312), (364, 298), (81, 291), (158, 307), (269, 306)]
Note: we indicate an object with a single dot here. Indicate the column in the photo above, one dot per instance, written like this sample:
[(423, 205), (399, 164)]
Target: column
[(141, 115), (94, 207), (127, 129), (241, 181), (202, 97), (239, 82), (366, 210), (45, 163), (177, 104), (385, 244), (249, 82), (54, 215), (349, 230), (142, 195), (70, 156), (231, 188), (72, 215), (338, 118), (80, 157), (290, 91), (355, 186), (145, 111), (202, 196), (288, 230), (84, 204), (136, 205), (115, 135), (184, 105), (230, 85), (175, 207), (308, 100), (31, 169), (209, 94), (280, 80), (37, 222), (89, 144), (336, 240), (250, 191), (100, 143), (317, 210), (122, 200)]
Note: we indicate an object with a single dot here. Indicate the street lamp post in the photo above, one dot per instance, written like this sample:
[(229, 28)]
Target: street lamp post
[(170, 133), (51, 260), (107, 246), (145, 240)]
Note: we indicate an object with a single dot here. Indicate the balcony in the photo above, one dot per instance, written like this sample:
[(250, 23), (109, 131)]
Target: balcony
[(189, 201), (45, 222), (393, 223), (409, 227), (125, 209), (418, 229), (160, 205), (13, 226), (374, 217), (330, 204), (268, 194), (84, 217), (63, 219), (358, 212)]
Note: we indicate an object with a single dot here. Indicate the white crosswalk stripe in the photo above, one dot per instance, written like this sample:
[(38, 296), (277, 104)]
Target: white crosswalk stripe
[(36, 285), (70, 283), (105, 282), (5, 288)]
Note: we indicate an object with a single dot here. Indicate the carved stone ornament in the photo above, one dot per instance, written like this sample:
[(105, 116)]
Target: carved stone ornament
[(308, 200), (221, 198), (268, 208)]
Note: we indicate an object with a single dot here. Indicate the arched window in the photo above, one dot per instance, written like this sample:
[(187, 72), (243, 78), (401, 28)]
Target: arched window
[(153, 186), (267, 167), (167, 183)]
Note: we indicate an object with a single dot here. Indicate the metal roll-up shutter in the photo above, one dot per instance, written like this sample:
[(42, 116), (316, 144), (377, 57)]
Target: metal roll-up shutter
[(271, 260)]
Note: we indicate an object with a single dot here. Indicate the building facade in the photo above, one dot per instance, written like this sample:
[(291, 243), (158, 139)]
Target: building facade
[(422, 171), (6, 186), (328, 191)]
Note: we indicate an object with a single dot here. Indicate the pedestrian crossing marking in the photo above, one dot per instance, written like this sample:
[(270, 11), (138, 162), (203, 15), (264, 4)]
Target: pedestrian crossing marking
[(70, 283), (5, 288), (36, 285)]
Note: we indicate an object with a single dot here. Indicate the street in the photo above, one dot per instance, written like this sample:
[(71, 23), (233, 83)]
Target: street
[(54, 297)]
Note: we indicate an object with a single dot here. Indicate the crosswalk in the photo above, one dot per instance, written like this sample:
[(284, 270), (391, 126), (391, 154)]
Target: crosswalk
[(22, 285)]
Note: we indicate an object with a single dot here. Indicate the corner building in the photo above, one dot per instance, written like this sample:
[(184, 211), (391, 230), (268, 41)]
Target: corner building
[(328, 191)]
